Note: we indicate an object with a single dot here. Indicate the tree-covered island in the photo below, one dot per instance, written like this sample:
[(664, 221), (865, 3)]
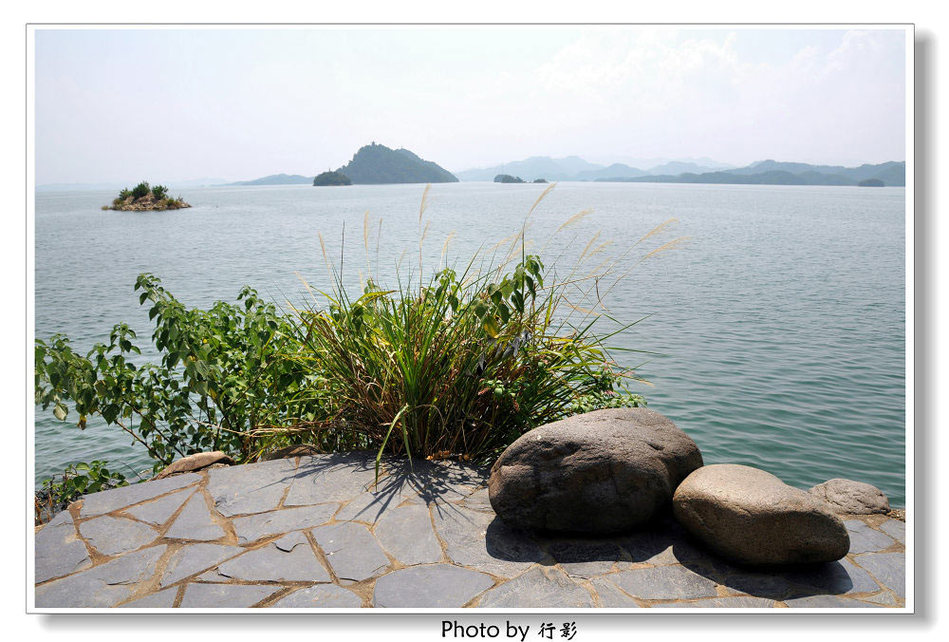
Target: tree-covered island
[(144, 197), (331, 178)]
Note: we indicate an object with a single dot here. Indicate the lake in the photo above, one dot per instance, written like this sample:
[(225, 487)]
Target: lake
[(779, 322)]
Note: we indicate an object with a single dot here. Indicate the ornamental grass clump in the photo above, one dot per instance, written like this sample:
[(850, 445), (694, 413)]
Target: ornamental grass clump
[(461, 364)]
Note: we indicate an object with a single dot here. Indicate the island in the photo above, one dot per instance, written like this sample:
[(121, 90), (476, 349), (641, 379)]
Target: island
[(377, 164), (331, 178), (507, 178), (144, 197), (871, 182)]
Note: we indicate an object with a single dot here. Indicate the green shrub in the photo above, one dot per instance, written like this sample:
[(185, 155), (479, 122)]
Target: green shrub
[(223, 372), (140, 191), (159, 192), (77, 480), (124, 194)]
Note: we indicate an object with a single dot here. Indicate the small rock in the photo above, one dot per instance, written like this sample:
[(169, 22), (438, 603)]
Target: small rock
[(599, 473), (750, 516), (851, 497), (195, 462)]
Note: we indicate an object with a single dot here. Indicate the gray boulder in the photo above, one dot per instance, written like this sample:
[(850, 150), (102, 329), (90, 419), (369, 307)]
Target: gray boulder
[(849, 497), (602, 472), (750, 516)]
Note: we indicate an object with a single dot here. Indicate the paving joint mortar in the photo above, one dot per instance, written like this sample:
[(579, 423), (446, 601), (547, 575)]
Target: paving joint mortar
[(480, 561)]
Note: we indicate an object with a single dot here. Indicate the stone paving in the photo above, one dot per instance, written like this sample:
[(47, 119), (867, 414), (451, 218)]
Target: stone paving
[(317, 532)]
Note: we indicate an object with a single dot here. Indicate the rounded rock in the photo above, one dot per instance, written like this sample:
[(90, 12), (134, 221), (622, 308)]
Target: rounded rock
[(849, 497), (751, 517), (602, 472)]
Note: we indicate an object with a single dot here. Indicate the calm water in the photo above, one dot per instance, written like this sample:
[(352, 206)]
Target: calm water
[(780, 321)]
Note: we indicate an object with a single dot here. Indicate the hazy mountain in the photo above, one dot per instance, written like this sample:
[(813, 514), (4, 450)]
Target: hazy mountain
[(891, 173), (776, 173), (278, 179), (616, 170), (377, 164), (554, 169), (681, 167), (574, 168)]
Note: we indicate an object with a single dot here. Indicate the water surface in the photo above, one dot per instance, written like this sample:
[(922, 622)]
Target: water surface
[(781, 321)]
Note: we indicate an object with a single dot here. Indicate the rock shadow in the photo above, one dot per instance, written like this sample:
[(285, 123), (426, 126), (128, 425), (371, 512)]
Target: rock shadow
[(509, 544), (779, 582)]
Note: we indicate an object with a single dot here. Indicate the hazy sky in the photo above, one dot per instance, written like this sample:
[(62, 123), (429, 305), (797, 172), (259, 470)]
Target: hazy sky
[(166, 105)]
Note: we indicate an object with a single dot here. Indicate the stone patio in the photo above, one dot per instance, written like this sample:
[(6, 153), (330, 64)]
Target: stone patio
[(316, 532)]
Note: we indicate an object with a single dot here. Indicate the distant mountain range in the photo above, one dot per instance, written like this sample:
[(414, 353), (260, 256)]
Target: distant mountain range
[(378, 164), (771, 172), (574, 168), (767, 172)]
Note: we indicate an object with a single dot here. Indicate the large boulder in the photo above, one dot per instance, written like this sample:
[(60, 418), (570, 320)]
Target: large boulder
[(851, 497), (602, 472), (750, 516)]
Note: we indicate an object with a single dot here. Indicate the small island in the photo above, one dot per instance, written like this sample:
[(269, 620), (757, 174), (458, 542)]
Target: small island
[(143, 198), (871, 182), (507, 178), (331, 178)]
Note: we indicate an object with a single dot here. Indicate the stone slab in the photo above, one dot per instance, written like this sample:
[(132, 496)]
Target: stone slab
[(888, 568), (664, 583), (233, 596), (321, 596), (539, 587), (273, 564), (252, 488), (828, 602), (481, 540), (164, 599), (194, 522), (58, 551), (107, 501), (158, 511), (370, 506), (351, 550), (895, 529), (195, 558), (864, 539), (610, 596), (318, 484), (837, 578), (587, 557), (255, 527), (435, 586), (115, 535), (731, 602), (101, 586), (407, 534)]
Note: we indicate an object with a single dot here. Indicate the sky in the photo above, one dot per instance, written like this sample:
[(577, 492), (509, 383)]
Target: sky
[(123, 105)]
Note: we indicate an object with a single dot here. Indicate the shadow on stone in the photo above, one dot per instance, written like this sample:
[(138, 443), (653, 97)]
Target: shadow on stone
[(399, 478), (510, 544), (779, 583)]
